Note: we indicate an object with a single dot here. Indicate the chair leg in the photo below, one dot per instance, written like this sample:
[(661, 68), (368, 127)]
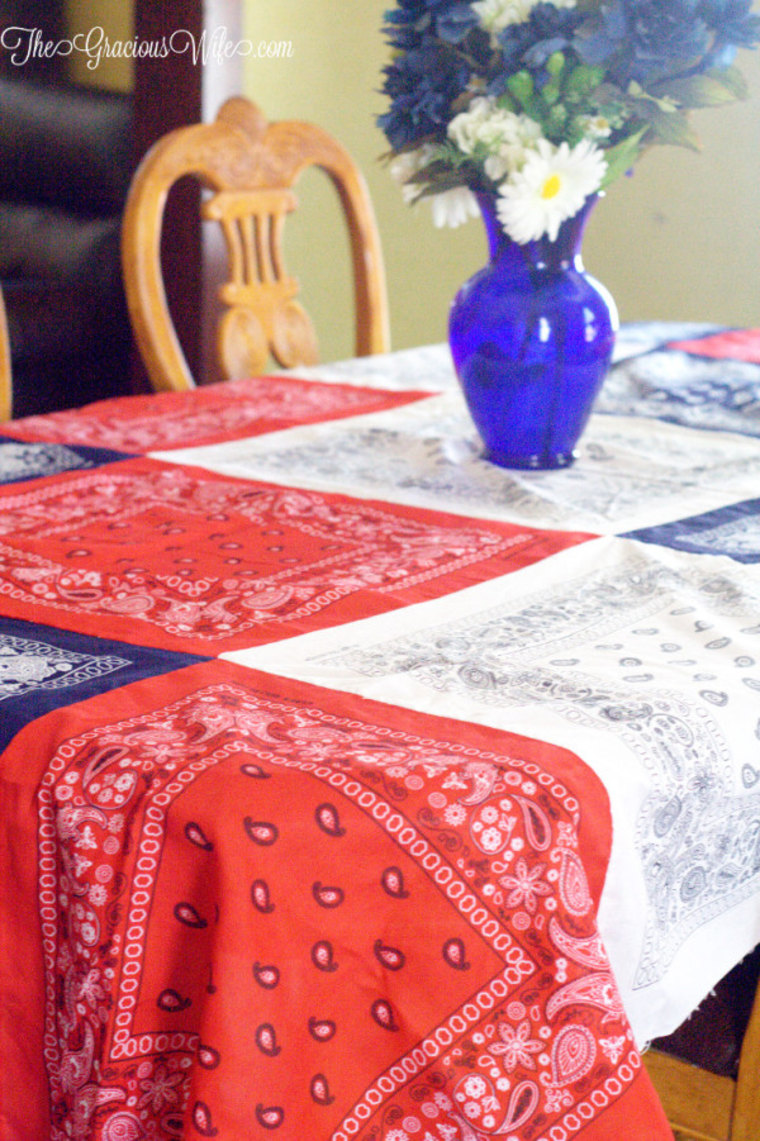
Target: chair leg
[(746, 1114), (6, 382), (698, 1104)]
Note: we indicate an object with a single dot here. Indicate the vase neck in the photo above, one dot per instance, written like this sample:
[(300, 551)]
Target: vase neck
[(564, 251)]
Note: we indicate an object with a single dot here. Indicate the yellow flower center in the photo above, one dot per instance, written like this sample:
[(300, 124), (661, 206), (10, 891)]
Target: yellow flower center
[(551, 187)]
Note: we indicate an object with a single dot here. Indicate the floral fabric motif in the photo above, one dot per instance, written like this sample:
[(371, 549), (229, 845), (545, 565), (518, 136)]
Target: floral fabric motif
[(596, 652), (683, 389), (120, 549), (629, 472), (219, 412), (456, 831), (733, 531), (27, 665), (29, 461)]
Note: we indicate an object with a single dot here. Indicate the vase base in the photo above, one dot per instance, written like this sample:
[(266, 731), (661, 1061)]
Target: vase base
[(530, 463)]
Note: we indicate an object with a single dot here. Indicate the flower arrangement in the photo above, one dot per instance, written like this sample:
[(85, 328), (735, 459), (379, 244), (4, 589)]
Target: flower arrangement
[(542, 104)]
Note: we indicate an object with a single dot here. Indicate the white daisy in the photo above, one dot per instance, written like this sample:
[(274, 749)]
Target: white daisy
[(454, 207), (552, 186)]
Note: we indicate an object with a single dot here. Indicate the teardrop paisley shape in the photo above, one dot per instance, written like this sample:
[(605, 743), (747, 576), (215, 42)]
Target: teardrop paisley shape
[(597, 990), (197, 836), (208, 1057), (322, 1029), (323, 956), (328, 820), (254, 771), (260, 831), (454, 955), (266, 1040), (186, 913), (714, 696), (103, 757), (327, 896), (522, 1105), (270, 1117), (172, 1001), (320, 1091), (202, 1120), (537, 824), (389, 957), (573, 885), (588, 950), (393, 883), (173, 1124), (260, 897), (382, 1012), (266, 976), (573, 1054), (750, 776)]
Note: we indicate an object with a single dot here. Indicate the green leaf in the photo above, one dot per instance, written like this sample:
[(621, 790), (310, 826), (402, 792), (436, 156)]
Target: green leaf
[(732, 78), (698, 91), (622, 156), (673, 128), (451, 182)]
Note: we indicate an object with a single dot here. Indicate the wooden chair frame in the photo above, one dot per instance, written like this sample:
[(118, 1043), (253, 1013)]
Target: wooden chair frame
[(702, 1106), (249, 165), (6, 379)]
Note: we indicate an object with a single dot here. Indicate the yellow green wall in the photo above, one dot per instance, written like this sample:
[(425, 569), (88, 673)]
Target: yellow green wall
[(87, 17), (678, 240)]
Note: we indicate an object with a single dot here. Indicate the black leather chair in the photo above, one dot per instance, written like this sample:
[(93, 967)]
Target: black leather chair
[(66, 158)]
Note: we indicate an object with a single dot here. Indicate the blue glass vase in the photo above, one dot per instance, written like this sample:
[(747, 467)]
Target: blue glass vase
[(531, 336)]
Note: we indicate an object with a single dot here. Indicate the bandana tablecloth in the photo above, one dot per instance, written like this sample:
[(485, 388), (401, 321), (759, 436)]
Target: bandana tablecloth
[(354, 788)]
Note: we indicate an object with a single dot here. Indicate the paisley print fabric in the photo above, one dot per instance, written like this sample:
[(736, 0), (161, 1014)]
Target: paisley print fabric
[(247, 817), (177, 558), (204, 415), (658, 654), (354, 788), (23, 461)]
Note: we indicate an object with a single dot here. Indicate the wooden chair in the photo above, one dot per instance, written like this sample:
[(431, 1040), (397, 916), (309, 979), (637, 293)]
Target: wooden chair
[(702, 1106), (250, 167), (6, 383)]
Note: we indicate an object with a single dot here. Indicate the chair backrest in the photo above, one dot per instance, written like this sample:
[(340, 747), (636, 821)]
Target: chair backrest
[(6, 382), (249, 166)]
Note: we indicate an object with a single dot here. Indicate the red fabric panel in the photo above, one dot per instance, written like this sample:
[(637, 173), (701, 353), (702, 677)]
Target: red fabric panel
[(208, 415), (361, 918), (182, 559), (735, 344)]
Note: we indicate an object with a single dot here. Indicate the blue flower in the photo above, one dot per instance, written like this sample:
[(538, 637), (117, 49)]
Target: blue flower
[(530, 44), (642, 40), (733, 25), (422, 85), (596, 71), (547, 29), (413, 21)]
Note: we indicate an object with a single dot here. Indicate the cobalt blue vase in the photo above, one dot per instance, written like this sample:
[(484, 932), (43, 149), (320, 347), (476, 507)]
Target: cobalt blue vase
[(531, 336)]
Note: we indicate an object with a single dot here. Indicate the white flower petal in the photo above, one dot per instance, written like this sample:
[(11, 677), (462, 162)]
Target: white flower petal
[(453, 207), (551, 186)]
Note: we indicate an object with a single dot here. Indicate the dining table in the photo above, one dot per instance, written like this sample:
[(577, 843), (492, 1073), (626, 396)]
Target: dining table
[(354, 787)]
